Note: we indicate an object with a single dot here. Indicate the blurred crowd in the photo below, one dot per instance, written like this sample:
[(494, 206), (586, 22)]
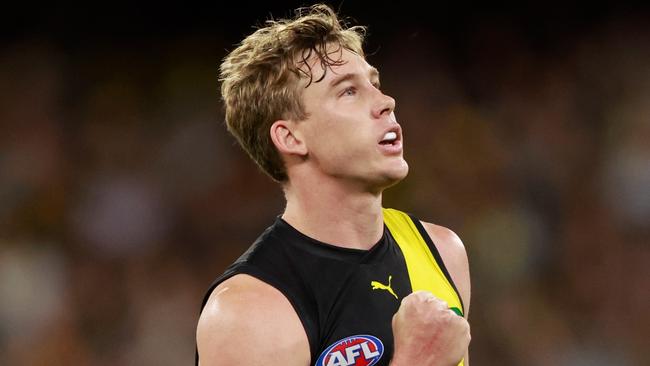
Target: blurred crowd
[(122, 196)]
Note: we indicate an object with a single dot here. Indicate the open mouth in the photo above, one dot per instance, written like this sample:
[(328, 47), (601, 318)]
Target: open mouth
[(390, 138)]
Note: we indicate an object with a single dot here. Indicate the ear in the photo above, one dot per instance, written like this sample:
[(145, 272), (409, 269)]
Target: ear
[(287, 139)]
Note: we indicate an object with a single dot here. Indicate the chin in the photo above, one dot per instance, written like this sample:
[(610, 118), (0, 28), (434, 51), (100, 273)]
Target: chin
[(400, 170), (395, 175)]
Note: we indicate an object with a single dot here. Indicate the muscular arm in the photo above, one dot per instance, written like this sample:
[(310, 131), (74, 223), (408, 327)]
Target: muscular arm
[(454, 255), (248, 322)]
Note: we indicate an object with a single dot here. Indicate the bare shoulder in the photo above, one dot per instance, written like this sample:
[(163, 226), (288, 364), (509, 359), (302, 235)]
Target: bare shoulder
[(248, 322), (446, 241), (453, 253)]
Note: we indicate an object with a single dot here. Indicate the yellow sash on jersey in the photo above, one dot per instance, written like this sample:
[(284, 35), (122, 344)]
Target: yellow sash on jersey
[(424, 272)]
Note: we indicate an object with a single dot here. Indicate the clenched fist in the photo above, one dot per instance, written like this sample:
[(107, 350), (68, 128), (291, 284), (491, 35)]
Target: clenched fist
[(427, 333)]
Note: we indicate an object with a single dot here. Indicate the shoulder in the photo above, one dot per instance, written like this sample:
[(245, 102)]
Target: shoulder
[(446, 241), (248, 322), (454, 255)]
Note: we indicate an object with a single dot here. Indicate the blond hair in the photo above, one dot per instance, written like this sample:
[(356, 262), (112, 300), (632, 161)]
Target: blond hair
[(260, 79)]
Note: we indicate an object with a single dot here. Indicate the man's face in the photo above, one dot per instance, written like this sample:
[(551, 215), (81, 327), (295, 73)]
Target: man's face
[(351, 132)]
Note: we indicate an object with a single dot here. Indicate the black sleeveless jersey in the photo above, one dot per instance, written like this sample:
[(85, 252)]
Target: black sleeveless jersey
[(346, 298)]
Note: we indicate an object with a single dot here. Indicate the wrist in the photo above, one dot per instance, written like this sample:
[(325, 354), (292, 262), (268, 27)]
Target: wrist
[(399, 361)]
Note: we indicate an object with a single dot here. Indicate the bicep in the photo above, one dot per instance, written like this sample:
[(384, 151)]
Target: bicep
[(247, 327), (454, 256), (463, 281)]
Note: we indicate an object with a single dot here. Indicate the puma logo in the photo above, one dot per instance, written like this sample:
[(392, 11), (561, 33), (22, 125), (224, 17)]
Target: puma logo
[(380, 286)]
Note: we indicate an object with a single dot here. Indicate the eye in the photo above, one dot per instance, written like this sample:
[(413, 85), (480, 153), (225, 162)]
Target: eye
[(349, 91)]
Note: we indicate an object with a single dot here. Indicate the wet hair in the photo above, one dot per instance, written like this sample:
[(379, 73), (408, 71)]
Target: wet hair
[(261, 78)]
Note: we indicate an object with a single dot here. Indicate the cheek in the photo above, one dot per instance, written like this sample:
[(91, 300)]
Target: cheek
[(346, 151), (339, 137)]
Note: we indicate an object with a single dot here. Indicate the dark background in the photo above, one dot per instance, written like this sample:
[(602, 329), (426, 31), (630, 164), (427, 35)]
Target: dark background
[(527, 129)]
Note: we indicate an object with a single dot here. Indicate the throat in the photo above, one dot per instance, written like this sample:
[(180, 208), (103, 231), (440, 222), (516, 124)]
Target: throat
[(358, 226)]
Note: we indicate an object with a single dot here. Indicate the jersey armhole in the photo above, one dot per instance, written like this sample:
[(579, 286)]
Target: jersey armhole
[(262, 276), (436, 255)]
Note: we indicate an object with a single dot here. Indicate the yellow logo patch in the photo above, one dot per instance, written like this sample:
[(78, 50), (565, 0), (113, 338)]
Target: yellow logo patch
[(376, 285)]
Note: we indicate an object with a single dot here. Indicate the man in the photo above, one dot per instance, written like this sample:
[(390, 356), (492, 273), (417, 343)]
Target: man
[(337, 279)]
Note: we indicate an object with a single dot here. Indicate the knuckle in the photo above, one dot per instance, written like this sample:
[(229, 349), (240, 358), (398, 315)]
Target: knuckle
[(423, 295), (455, 320), (463, 323), (410, 298)]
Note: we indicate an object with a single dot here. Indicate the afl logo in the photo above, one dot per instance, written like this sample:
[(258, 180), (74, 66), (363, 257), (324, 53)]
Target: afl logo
[(358, 350)]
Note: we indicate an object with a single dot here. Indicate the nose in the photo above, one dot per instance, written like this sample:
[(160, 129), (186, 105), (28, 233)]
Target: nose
[(385, 105)]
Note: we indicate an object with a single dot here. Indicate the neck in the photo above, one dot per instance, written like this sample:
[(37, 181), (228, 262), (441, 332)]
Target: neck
[(335, 214)]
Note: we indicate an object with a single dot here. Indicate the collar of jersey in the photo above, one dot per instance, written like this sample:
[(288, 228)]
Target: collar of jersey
[(291, 235)]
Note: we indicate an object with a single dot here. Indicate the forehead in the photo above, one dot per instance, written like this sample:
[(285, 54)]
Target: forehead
[(341, 61)]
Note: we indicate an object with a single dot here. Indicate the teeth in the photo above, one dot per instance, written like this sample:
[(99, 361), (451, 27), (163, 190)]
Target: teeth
[(390, 136)]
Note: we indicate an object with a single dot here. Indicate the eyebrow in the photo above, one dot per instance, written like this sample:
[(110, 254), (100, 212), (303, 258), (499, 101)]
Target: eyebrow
[(374, 74)]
